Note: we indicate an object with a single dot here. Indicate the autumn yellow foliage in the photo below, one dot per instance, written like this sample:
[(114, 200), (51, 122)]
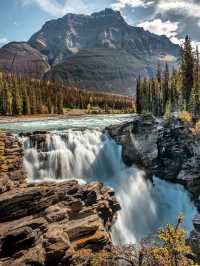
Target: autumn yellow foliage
[(196, 130), (171, 248), (168, 249), (185, 117)]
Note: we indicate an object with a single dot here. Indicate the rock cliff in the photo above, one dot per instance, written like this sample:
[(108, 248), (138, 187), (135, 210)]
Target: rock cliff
[(165, 149), (168, 150), (49, 223)]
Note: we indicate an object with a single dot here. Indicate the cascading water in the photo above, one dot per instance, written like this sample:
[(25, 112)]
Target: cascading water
[(90, 155)]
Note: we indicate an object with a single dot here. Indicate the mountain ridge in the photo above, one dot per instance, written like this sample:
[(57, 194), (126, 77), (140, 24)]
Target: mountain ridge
[(63, 39)]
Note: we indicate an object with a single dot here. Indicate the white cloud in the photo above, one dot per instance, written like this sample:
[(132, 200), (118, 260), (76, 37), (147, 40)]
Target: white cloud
[(53, 7), (195, 44), (180, 41), (186, 7), (3, 41), (177, 40), (160, 27), (167, 28), (120, 4)]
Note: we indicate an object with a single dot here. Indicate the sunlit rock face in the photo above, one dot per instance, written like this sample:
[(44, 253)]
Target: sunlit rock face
[(106, 29)]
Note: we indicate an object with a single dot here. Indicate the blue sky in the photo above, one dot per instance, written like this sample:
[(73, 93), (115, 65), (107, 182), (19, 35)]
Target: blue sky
[(19, 19)]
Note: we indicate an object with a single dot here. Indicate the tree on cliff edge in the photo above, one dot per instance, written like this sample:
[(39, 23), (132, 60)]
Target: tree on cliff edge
[(187, 66)]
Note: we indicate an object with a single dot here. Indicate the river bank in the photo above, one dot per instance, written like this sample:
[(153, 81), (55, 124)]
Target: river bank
[(68, 113), (36, 117)]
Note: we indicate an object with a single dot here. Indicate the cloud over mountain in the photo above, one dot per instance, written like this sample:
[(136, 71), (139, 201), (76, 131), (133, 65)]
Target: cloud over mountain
[(55, 8)]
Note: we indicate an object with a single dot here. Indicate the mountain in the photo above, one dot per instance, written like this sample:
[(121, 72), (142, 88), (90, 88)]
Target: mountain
[(100, 51), (20, 57)]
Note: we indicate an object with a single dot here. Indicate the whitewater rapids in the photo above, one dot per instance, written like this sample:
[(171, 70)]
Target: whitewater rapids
[(91, 155)]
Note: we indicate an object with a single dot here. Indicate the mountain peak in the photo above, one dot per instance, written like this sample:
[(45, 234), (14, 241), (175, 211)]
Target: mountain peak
[(107, 12)]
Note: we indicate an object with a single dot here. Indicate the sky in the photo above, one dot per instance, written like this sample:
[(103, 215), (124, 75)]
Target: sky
[(19, 19)]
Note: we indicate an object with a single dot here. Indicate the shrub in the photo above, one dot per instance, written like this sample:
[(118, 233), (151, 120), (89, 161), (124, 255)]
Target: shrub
[(168, 249), (185, 117), (196, 130), (171, 248)]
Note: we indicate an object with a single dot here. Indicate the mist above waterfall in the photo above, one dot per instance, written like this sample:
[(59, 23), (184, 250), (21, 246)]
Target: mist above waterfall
[(91, 155)]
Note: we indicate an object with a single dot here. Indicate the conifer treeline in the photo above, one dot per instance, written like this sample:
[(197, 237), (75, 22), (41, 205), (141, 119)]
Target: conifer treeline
[(176, 91), (22, 95)]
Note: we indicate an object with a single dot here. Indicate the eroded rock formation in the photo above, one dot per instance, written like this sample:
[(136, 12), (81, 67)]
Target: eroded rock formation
[(11, 166)]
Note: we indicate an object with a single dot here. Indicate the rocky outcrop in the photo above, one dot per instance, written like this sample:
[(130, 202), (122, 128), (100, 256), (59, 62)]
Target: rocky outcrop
[(165, 149), (49, 223), (194, 240), (21, 58), (12, 173)]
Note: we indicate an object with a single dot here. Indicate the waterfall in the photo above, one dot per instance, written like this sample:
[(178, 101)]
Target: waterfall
[(89, 155)]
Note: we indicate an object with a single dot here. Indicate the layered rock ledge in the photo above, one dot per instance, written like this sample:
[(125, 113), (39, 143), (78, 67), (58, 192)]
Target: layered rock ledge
[(49, 223)]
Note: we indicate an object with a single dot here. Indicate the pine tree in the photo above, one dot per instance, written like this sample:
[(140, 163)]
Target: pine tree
[(8, 102), (138, 96), (60, 102), (33, 103), (165, 85), (187, 66), (159, 73), (196, 90), (17, 102), (26, 105)]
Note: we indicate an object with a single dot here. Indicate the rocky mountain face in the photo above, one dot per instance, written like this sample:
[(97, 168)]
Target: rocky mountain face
[(49, 223), (100, 51), (21, 58), (61, 38)]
